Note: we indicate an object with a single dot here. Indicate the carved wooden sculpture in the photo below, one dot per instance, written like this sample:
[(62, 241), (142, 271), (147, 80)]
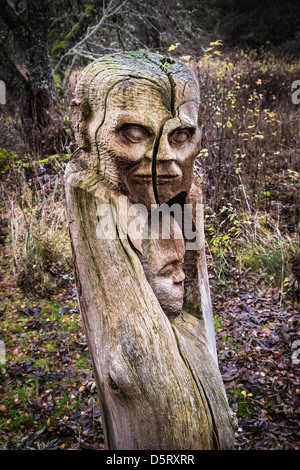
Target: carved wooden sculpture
[(137, 120)]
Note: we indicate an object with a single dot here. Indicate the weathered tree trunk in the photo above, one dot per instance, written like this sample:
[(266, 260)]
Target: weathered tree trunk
[(27, 74), (158, 389), (157, 376)]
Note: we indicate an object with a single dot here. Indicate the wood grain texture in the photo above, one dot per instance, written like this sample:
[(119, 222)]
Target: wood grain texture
[(158, 379)]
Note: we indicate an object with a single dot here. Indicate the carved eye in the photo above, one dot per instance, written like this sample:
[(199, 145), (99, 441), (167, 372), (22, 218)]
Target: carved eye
[(167, 270), (180, 136), (134, 134)]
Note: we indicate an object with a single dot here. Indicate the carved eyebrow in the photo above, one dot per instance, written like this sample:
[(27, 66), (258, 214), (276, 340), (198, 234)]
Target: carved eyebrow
[(183, 128), (169, 265), (130, 119), (127, 125)]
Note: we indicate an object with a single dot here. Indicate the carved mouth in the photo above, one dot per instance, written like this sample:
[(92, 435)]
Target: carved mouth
[(162, 179), (143, 177)]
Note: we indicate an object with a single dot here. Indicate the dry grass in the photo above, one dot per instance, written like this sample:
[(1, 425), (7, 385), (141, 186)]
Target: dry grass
[(38, 245)]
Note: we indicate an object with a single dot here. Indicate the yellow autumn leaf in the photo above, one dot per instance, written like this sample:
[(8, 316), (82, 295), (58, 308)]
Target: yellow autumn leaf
[(217, 52), (174, 46), (286, 281), (216, 43)]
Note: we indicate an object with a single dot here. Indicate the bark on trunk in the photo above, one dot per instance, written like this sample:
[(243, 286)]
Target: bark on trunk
[(33, 88)]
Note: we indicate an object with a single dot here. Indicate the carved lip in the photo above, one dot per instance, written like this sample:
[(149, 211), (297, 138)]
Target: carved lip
[(161, 179), (143, 177)]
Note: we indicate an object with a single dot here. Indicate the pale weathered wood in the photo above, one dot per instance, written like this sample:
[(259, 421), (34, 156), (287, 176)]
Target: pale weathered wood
[(157, 377)]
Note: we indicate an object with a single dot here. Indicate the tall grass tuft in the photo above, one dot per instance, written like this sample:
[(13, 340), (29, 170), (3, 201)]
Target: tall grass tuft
[(38, 245), (253, 244)]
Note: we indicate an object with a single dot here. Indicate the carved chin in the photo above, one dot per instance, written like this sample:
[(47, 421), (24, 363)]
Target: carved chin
[(172, 309), (167, 189), (170, 297)]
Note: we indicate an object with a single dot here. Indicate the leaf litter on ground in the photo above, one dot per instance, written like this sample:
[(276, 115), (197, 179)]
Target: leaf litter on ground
[(48, 396), (255, 339)]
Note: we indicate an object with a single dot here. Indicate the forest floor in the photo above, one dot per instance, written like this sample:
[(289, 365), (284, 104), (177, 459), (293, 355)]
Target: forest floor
[(48, 397)]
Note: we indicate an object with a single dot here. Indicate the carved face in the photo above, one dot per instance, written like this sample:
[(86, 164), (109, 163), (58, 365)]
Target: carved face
[(163, 265), (146, 151)]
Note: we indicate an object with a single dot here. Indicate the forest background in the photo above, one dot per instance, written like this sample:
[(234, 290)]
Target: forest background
[(246, 57)]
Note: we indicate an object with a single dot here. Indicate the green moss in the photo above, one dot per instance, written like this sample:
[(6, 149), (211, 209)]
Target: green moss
[(59, 46), (89, 9), (57, 49), (63, 45), (57, 81), (192, 305), (5, 158), (3, 155), (54, 33), (70, 35), (45, 161), (5, 169)]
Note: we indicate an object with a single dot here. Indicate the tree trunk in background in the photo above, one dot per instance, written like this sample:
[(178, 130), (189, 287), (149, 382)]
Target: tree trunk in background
[(41, 95), (31, 85), (40, 119)]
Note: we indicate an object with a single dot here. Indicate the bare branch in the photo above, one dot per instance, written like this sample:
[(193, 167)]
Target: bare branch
[(110, 10)]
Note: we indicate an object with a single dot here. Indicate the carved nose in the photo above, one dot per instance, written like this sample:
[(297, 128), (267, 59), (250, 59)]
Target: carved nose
[(179, 277), (165, 152), (165, 156)]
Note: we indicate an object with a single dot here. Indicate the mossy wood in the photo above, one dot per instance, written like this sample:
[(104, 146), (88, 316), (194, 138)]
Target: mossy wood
[(138, 125)]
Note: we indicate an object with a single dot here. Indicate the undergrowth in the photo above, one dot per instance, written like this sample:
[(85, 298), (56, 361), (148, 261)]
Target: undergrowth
[(248, 166), (37, 239)]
